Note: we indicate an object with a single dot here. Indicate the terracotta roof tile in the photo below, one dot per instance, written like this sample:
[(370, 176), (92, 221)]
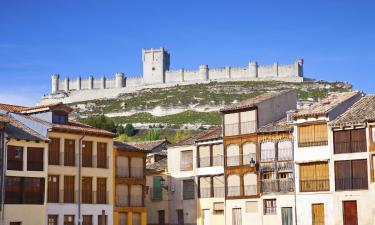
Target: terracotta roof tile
[(278, 126), (216, 133), (192, 139), (252, 102), (149, 145), (360, 112), (16, 129), (159, 166), (124, 146), (11, 108), (326, 105)]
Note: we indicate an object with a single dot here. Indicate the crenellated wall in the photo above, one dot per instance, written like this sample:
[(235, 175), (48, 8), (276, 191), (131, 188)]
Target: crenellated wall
[(157, 74)]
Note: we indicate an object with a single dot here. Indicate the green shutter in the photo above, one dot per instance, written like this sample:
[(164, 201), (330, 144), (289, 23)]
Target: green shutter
[(157, 190)]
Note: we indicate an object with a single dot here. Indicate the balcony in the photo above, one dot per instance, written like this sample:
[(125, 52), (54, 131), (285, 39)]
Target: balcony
[(267, 167), (280, 185), (122, 171), (285, 166), (240, 128), (349, 184), (205, 192), (285, 154), (314, 185), (206, 161), (122, 200), (233, 191), (250, 190)]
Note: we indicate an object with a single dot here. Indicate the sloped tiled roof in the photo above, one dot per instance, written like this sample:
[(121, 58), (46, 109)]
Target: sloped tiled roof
[(216, 133), (278, 126), (48, 107), (11, 108), (124, 146), (159, 166), (17, 130), (74, 126), (360, 112), (149, 145), (192, 139), (325, 106), (252, 102), (4, 118)]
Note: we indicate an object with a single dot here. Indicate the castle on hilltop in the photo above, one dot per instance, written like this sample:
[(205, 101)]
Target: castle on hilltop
[(156, 74)]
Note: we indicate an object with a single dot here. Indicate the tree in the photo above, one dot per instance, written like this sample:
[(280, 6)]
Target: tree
[(129, 130), (120, 129), (153, 134), (101, 122)]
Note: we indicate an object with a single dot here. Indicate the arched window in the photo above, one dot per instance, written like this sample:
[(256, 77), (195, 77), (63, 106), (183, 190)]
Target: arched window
[(267, 151), (250, 184), (284, 149), (233, 155), (233, 183), (249, 152)]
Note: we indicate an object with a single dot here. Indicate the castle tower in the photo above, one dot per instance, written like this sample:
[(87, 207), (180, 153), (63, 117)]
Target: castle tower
[(155, 63), (55, 83)]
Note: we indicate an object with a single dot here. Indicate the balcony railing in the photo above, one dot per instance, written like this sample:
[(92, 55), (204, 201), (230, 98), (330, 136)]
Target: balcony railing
[(250, 190), (233, 160), (122, 200), (218, 160), (136, 172), (35, 165), (284, 154), (350, 147), (268, 167), (314, 185), (312, 143), (247, 158), (285, 166), (219, 192), (15, 165), (240, 128), (270, 211), (87, 197), (351, 183), (279, 185), (233, 191), (122, 171), (205, 192)]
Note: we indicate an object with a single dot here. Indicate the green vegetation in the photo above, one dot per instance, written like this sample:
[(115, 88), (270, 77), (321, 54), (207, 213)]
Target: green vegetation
[(101, 122)]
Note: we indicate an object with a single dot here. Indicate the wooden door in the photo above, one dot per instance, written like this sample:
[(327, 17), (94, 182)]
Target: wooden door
[(102, 155), (53, 188), (318, 214), (101, 188), (287, 215), (87, 154), (69, 189), (206, 217), (69, 152), (180, 217), (236, 216), (350, 213), (161, 216), (86, 189)]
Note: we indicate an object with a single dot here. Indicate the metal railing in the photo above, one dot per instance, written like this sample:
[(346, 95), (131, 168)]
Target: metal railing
[(312, 143), (285, 166), (250, 190), (277, 185), (240, 128), (122, 171), (247, 158), (314, 185), (205, 192), (233, 160), (284, 154), (219, 192), (122, 200), (350, 147), (233, 191), (268, 167), (351, 183)]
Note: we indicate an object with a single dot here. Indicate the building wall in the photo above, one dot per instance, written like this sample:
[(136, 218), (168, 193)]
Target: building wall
[(27, 214), (207, 204), (91, 209), (254, 217), (282, 200), (153, 206)]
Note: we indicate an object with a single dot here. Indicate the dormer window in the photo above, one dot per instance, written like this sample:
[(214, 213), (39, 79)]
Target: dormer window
[(60, 117)]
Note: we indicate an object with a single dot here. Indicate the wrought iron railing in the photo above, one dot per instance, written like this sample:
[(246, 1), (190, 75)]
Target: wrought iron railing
[(233, 191), (314, 185), (240, 128), (351, 183), (250, 190), (277, 185)]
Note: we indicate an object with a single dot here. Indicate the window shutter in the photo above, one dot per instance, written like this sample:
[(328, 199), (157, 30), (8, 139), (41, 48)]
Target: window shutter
[(157, 189)]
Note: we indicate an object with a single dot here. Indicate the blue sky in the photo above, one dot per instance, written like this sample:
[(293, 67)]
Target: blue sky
[(38, 38)]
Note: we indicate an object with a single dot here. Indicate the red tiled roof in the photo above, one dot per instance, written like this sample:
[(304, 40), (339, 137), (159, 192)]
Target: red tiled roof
[(11, 108)]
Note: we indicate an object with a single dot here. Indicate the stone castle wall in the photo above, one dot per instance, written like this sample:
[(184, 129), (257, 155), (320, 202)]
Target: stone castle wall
[(157, 60)]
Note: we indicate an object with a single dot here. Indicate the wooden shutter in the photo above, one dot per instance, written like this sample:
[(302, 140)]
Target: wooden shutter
[(188, 189), (186, 163), (372, 168), (321, 133), (341, 141), (69, 189), (54, 151), (53, 188), (157, 191), (318, 214), (358, 140), (322, 176), (87, 154), (102, 155), (343, 175), (69, 152), (86, 189), (305, 135), (359, 171), (35, 159), (101, 188)]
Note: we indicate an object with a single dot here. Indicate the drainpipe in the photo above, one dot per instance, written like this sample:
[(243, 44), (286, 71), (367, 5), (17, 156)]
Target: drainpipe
[(3, 146), (79, 176), (294, 177)]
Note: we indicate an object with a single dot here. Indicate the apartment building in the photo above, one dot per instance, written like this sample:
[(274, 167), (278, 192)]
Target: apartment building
[(130, 184), (353, 161), (210, 178), (276, 170), (241, 152), (79, 169), (315, 168), (25, 171)]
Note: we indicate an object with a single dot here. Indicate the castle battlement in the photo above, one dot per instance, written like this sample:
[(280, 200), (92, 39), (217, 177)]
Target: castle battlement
[(156, 73)]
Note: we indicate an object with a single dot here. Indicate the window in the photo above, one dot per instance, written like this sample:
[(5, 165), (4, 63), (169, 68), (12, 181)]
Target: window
[(205, 187), (15, 158), (219, 183), (267, 151), (136, 219), (250, 184), (231, 124), (348, 141), (186, 163), (284, 150), (53, 188), (102, 155), (53, 219), (122, 195), (188, 189), (69, 189), (54, 151), (204, 156), (233, 155), (24, 190), (157, 190), (312, 135), (314, 177), (248, 122), (218, 208), (101, 191), (248, 152), (351, 175), (122, 166), (269, 206), (123, 219), (87, 220), (136, 195), (15, 223), (87, 190), (87, 154), (102, 219), (59, 117), (69, 220), (373, 167), (233, 183), (69, 152), (217, 155), (251, 207), (136, 164), (35, 159)]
